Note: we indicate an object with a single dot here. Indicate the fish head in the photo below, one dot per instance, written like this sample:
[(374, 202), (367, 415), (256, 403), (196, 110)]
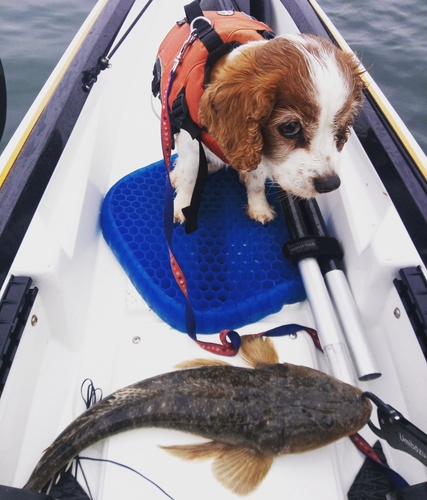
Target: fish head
[(323, 411)]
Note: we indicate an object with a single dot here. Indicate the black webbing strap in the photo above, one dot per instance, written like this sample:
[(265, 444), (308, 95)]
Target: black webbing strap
[(205, 31), (193, 10), (215, 55), (190, 212), (180, 117)]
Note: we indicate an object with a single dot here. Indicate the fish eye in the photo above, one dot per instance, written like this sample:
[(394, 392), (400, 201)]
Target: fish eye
[(328, 421), (290, 130)]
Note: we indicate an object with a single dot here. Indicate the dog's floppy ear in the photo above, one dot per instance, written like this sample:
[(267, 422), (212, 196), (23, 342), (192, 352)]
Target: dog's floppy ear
[(233, 108)]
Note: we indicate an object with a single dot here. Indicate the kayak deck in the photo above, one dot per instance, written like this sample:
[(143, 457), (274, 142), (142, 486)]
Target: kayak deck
[(89, 320)]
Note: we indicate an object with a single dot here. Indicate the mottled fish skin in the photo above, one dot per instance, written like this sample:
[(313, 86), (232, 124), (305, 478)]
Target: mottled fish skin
[(270, 410)]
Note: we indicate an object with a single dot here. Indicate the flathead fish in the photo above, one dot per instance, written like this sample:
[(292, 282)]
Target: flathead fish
[(249, 415)]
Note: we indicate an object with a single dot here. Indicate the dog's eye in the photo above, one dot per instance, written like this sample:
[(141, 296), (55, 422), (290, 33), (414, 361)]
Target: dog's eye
[(290, 130), (340, 139)]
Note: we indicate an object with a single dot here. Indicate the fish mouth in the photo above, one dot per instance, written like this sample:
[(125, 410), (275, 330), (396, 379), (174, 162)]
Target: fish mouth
[(367, 409)]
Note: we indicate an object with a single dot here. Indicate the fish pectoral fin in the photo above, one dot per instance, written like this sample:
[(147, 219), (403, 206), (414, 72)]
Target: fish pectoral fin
[(257, 351), (198, 451), (241, 470), (238, 469), (196, 363)]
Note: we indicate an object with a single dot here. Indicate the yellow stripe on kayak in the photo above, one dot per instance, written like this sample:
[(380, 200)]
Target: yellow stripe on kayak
[(77, 42), (386, 108)]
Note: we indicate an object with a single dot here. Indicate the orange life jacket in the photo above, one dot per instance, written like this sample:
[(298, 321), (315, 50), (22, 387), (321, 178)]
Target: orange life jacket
[(192, 73)]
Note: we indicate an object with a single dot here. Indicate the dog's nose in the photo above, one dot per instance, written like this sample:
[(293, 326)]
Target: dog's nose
[(327, 184)]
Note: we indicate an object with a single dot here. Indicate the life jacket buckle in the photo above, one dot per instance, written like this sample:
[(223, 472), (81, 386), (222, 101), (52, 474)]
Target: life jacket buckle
[(179, 111)]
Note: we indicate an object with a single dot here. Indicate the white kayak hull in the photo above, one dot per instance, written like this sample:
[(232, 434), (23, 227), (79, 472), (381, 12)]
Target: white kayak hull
[(88, 320)]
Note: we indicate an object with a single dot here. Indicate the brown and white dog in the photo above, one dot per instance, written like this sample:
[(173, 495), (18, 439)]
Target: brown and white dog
[(279, 109)]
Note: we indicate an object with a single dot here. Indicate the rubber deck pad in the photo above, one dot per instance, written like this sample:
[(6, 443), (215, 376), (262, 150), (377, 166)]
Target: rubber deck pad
[(234, 267)]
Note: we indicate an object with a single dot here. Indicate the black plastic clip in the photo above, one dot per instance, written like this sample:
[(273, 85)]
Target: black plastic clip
[(312, 246), (179, 111), (180, 116), (157, 77), (397, 430)]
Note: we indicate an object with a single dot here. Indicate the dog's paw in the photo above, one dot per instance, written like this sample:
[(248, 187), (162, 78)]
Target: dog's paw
[(181, 201), (262, 212), (178, 216)]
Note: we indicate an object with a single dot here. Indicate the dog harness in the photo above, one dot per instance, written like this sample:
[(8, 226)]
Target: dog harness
[(218, 33), (189, 52)]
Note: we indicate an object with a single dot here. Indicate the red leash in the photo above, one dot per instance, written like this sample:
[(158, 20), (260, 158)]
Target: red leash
[(230, 341)]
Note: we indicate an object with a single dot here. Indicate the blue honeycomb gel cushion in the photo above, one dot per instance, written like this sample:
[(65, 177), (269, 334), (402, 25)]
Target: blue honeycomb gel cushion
[(234, 267)]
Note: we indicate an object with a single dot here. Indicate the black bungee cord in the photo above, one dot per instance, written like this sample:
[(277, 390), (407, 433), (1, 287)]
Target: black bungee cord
[(91, 76)]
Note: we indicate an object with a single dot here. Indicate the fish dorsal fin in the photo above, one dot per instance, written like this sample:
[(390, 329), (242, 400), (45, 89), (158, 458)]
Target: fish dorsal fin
[(198, 362), (238, 469), (257, 351)]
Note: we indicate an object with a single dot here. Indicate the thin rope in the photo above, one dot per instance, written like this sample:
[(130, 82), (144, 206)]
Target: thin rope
[(128, 468), (123, 38)]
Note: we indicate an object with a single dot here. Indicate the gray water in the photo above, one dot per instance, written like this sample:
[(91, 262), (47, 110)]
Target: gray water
[(33, 36), (388, 35)]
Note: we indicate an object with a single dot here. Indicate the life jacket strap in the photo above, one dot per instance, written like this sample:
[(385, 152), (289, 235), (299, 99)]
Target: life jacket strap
[(205, 31), (190, 212), (180, 116)]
